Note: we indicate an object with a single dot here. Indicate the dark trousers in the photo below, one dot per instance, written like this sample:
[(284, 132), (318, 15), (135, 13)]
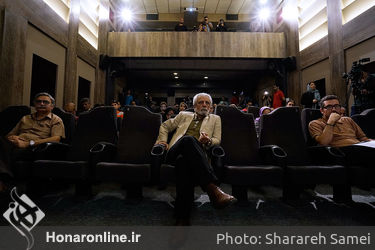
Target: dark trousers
[(8, 154), (192, 167)]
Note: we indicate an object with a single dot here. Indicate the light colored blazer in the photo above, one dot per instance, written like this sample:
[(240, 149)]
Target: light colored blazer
[(211, 125)]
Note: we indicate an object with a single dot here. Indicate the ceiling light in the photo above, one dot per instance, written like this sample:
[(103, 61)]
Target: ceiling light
[(264, 14), (206, 77), (175, 73), (176, 77), (127, 15)]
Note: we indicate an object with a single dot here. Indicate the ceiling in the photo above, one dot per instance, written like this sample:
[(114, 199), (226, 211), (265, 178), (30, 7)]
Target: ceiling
[(204, 6), (191, 72)]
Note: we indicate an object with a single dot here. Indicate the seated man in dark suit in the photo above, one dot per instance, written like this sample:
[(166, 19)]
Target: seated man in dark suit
[(40, 127), (194, 133)]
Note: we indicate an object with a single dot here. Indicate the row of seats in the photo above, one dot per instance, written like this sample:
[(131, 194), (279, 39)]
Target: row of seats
[(280, 157)]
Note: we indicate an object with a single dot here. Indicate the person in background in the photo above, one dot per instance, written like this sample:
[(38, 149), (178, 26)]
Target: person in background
[(278, 97), (163, 107), (221, 26), (311, 87), (180, 26), (205, 25), (248, 104), (290, 103), (84, 105), (128, 97), (168, 114), (116, 104), (263, 111), (182, 107)]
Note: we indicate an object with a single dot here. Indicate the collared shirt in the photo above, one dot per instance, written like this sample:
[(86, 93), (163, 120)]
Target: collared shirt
[(195, 127), (345, 132), (29, 128)]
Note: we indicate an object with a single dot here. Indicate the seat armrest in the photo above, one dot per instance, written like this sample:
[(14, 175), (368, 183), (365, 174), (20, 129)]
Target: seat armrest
[(217, 154), (158, 150), (273, 155), (326, 155), (102, 151), (158, 153), (51, 151)]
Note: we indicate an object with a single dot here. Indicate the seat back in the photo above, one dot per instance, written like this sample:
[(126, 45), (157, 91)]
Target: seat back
[(69, 123), (97, 125), (10, 116), (282, 127), (366, 120), (238, 137), (253, 110), (308, 115), (138, 133)]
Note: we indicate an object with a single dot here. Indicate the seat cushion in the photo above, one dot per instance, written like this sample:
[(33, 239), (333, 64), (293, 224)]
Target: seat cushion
[(253, 175), (315, 174), (66, 170), (123, 172)]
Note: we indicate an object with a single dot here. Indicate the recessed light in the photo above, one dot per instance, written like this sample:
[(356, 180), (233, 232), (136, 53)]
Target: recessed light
[(176, 77), (175, 73), (206, 77)]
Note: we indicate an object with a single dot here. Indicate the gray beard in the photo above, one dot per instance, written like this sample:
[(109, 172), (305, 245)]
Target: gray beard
[(203, 112)]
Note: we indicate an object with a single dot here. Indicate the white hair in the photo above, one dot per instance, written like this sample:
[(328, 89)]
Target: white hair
[(195, 98)]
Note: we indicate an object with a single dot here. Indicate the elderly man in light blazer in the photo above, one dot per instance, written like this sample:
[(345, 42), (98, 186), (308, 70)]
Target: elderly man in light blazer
[(194, 133)]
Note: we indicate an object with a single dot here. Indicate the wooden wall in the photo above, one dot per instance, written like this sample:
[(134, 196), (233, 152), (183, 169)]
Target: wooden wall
[(15, 18), (330, 51), (196, 44)]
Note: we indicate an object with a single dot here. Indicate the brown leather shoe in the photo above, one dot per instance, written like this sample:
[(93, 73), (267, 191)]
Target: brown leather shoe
[(218, 198)]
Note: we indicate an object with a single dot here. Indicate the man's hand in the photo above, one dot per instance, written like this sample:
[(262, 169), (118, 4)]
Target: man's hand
[(204, 139), (333, 118), (18, 142), (163, 143)]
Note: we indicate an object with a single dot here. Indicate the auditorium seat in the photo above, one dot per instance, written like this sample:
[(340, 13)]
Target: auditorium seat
[(62, 161), (308, 115), (10, 116), (306, 166), (69, 123), (129, 162), (22, 168), (245, 163), (253, 110), (366, 120)]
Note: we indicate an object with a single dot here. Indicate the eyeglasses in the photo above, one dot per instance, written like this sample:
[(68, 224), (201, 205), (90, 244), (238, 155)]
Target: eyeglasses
[(330, 107), (42, 101)]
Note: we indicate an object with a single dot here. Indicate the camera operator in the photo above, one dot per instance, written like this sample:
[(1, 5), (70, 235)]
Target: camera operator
[(362, 86), (363, 92)]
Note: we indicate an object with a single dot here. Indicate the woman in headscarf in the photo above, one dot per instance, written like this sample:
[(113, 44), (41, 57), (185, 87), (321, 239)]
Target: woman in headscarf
[(263, 111)]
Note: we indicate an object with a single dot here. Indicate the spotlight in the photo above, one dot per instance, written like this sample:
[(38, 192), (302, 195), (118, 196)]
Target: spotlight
[(206, 77), (175, 73), (264, 14), (176, 77), (127, 15)]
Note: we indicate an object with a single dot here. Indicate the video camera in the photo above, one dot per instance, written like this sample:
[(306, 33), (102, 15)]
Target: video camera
[(355, 73)]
